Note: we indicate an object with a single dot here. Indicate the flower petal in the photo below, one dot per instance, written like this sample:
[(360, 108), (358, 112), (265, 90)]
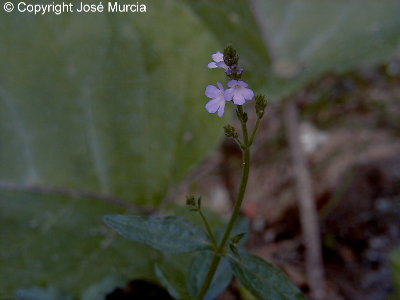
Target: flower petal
[(217, 57), (212, 92), (221, 109), (212, 106), (220, 86), (238, 99), (242, 83), (212, 65), (248, 94), (232, 83), (222, 64), (228, 94)]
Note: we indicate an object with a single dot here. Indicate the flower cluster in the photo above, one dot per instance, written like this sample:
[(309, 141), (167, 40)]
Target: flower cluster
[(237, 90)]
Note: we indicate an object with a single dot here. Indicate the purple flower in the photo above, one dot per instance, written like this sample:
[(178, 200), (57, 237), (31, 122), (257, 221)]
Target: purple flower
[(218, 61), (238, 92), (218, 99)]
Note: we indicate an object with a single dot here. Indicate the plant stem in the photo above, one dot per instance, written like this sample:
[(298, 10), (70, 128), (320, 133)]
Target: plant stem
[(209, 231), (236, 210), (241, 145), (254, 131)]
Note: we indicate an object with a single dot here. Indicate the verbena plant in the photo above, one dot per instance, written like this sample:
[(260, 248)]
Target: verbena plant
[(219, 256)]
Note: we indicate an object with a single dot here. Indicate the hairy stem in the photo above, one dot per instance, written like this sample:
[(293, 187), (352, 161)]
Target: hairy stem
[(236, 210)]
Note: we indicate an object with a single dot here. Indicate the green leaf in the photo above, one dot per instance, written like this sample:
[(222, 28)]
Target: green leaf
[(173, 280), (99, 290), (198, 271), (38, 293), (110, 103), (262, 279), (304, 39), (171, 234), (107, 103), (241, 226), (62, 242)]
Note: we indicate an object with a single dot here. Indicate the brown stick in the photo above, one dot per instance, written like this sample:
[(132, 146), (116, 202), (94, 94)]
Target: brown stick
[(308, 211)]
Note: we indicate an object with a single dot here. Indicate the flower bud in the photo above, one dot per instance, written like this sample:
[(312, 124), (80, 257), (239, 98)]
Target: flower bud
[(261, 104), (230, 131), (242, 115), (191, 202), (230, 56)]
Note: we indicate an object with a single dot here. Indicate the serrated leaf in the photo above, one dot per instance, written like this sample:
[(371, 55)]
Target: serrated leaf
[(262, 279), (198, 271), (174, 281), (171, 234)]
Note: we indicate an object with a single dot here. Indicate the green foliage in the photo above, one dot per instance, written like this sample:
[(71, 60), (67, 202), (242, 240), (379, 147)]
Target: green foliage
[(103, 103), (61, 241), (198, 271), (262, 279), (113, 104), (286, 44), (37, 293), (174, 281), (171, 234), (100, 289), (108, 103)]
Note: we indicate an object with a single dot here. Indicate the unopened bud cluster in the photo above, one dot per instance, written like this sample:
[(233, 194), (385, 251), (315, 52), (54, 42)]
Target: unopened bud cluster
[(193, 203), (261, 104), (230, 131)]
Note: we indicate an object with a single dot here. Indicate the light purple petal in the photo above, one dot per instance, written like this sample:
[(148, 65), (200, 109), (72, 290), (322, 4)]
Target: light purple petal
[(222, 64), (221, 109), (242, 83), (212, 92), (212, 65), (217, 57), (232, 83), (220, 86), (212, 106), (238, 99), (248, 94), (228, 94)]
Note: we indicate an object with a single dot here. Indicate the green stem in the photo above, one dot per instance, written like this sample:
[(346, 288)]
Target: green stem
[(209, 231), (254, 131), (236, 210), (238, 141)]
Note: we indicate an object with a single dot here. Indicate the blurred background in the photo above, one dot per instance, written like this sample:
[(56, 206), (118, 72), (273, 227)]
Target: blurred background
[(103, 113)]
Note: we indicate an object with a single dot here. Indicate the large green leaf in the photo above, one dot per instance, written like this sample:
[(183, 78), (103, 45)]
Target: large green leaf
[(111, 103), (171, 234), (62, 242), (173, 280), (198, 272), (304, 38), (262, 279)]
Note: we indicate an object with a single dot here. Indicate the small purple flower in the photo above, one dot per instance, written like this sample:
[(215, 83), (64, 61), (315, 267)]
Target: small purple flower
[(238, 92), (218, 99), (218, 61)]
